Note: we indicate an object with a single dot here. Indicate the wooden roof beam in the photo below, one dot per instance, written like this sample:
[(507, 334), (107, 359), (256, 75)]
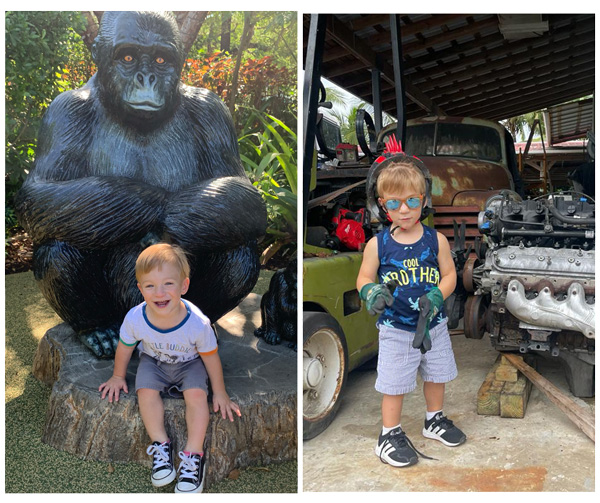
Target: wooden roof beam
[(345, 37), (528, 76), (539, 57), (448, 36), (484, 106), (586, 34), (504, 95), (414, 28)]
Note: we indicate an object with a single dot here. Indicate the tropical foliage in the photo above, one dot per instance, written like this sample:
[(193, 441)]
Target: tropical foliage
[(520, 126), (344, 110), (39, 48), (269, 155), (262, 84)]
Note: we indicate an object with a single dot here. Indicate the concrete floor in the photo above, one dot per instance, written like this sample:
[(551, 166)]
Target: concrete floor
[(544, 451)]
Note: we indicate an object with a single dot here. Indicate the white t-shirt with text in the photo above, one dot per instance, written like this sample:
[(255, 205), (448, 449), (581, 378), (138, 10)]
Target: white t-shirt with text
[(181, 343)]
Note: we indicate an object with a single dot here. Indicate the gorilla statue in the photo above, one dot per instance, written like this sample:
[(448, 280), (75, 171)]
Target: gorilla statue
[(132, 158), (278, 307)]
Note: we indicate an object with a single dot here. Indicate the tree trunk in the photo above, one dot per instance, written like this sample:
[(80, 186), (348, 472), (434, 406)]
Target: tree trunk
[(248, 31), (226, 31), (189, 25), (91, 30)]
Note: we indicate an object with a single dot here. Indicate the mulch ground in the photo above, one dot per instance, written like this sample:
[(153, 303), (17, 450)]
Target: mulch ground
[(19, 253)]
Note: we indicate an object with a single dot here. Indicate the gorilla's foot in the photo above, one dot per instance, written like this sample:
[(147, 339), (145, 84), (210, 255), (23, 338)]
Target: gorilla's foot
[(272, 337), (103, 341)]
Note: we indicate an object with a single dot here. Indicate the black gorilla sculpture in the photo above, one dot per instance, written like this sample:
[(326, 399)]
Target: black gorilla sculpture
[(278, 307), (132, 158)]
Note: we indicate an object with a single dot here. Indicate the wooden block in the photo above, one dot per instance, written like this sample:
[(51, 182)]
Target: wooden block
[(488, 396), (581, 416), (506, 373), (514, 397)]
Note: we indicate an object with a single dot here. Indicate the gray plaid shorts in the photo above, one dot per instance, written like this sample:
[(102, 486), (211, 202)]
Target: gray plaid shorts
[(399, 362), (171, 379)]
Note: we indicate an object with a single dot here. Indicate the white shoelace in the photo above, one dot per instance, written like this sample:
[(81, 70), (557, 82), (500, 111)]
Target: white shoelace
[(161, 455), (188, 467)]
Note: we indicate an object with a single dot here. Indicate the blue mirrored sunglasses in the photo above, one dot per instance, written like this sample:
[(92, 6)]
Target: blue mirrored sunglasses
[(412, 202)]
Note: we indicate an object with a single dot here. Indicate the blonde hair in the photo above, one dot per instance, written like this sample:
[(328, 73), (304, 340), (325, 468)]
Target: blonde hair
[(398, 177), (162, 253)]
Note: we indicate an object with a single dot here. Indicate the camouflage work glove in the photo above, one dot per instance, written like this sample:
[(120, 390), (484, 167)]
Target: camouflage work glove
[(430, 305), (376, 297)]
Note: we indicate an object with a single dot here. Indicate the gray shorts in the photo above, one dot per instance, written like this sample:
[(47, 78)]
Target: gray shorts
[(171, 379), (399, 362)]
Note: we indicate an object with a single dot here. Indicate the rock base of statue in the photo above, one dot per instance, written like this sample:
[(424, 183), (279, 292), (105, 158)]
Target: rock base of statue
[(260, 378)]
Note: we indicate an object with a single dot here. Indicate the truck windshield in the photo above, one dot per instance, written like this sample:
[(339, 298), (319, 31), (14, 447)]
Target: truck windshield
[(462, 140)]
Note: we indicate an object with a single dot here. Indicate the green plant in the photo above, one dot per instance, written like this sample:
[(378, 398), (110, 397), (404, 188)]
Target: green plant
[(268, 153), (38, 48), (262, 84)]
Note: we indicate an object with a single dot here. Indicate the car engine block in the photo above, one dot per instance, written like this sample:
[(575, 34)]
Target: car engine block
[(534, 285)]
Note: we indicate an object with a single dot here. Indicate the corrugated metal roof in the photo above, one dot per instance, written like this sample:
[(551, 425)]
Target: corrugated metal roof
[(570, 121)]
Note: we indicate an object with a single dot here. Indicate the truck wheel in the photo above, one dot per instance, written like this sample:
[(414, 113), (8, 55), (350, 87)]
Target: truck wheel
[(325, 371)]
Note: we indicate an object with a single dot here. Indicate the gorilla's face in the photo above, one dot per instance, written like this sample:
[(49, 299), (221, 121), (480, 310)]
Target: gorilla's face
[(142, 79)]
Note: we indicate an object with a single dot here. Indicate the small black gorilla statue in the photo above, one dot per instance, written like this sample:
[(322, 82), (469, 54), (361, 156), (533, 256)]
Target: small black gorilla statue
[(278, 307), (133, 158)]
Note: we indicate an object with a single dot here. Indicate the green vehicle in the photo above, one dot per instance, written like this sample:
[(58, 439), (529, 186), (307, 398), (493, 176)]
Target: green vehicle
[(339, 335)]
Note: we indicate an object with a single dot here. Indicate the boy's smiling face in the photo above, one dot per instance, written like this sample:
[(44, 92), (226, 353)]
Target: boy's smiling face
[(162, 289)]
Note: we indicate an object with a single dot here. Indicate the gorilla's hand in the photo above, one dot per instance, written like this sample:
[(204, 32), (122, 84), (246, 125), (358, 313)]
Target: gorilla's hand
[(215, 215), (102, 342), (90, 212)]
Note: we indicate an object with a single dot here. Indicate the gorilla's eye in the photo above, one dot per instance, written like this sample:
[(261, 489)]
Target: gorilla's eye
[(128, 58), (160, 60)]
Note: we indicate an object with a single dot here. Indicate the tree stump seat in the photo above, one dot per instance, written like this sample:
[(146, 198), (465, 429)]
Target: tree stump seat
[(259, 377)]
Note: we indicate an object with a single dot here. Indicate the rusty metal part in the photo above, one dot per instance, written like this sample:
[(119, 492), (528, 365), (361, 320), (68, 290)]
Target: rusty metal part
[(332, 195), (323, 371), (445, 217), (452, 176), (475, 318), (467, 274)]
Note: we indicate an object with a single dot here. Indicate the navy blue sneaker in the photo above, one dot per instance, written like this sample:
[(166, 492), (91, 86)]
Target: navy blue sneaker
[(439, 427), (396, 449)]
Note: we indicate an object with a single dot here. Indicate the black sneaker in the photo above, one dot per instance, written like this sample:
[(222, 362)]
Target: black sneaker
[(191, 473), (441, 428), (396, 449), (163, 471)]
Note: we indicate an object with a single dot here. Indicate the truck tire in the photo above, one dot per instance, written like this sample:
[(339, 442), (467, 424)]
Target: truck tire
[(325, 371)]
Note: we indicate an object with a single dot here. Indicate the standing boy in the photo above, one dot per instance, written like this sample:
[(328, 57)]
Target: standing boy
[(417, 259), (178, 353)]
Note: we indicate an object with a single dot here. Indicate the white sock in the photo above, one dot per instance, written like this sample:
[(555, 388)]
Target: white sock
[(430, 415), (385, 430)]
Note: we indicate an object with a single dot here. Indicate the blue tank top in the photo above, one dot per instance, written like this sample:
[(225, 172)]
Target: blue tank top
[(416, 269)]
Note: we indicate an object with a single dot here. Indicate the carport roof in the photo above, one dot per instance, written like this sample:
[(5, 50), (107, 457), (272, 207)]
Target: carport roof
[(479, 65)]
